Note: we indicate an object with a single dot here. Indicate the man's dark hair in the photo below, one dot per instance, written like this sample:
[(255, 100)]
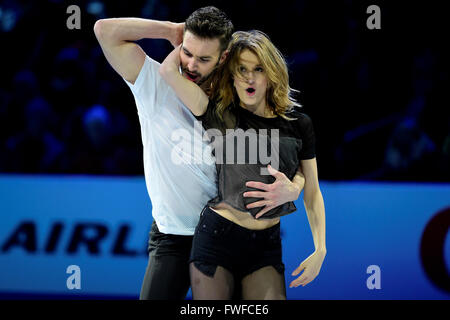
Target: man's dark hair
[(210, 23)]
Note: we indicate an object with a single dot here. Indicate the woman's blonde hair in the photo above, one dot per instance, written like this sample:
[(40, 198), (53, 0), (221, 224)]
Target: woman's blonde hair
[(279, 93)]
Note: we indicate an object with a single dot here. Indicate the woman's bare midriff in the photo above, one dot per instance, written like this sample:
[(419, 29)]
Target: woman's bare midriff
[(243, 218)]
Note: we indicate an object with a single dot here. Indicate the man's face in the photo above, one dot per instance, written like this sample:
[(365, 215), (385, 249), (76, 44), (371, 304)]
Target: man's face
[(199, 57)]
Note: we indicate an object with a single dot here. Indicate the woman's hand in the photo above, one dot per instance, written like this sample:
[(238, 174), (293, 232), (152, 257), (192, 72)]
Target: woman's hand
[(311, 268), (277, 193)]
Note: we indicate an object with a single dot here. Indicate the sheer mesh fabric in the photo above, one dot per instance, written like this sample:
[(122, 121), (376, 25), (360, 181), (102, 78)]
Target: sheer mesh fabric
[(244, 143), (263, 284), (218, 287)]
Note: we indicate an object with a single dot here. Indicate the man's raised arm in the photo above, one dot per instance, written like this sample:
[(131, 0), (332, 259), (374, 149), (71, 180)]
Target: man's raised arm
[(117, 35)]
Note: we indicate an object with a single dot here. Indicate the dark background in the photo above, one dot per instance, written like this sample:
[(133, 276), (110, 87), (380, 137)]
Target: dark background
[(378, 98)]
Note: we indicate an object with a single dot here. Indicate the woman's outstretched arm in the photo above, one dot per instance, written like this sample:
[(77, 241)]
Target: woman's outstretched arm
[(315, 210)]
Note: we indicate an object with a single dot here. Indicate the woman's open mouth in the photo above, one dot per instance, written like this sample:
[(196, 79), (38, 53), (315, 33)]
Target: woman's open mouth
[(250, 91)]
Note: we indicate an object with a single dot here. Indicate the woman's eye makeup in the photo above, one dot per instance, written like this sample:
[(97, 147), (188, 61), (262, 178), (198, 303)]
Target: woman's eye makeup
[(244, 69)]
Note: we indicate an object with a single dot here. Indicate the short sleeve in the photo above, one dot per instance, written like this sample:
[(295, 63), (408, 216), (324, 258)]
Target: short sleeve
[(207, 117), (149, 89), (307, 135), (210, 119)]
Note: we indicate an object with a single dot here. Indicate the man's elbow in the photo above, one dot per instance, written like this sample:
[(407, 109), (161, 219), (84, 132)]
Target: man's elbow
[(103, 29), (98, 28)]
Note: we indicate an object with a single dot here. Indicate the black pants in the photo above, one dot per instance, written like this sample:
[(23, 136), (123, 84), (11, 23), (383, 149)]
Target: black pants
[(167, 274)]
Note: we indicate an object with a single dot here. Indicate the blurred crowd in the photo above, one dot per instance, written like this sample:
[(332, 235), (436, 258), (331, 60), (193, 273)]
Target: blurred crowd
[(376, 97)]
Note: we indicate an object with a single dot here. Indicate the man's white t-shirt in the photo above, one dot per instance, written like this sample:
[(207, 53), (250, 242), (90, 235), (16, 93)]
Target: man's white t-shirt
[(179, 170)]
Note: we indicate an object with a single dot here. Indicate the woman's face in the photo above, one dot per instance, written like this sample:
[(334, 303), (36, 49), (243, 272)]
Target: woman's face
[(251, 82)]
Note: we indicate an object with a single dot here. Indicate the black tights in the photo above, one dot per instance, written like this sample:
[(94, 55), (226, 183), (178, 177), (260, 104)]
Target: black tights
[(263, 284)]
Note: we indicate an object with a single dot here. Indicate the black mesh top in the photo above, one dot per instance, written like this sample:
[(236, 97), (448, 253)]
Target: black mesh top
[(243, 149)]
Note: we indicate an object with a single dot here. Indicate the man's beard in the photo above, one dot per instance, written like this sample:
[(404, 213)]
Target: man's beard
[(190, 75)]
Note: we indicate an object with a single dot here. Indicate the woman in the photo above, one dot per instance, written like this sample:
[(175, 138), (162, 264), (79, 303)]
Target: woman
[(234, 241)]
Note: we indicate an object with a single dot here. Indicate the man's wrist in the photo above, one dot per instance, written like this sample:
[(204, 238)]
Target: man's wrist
[(296, 190), (175, 32), (299, 182), (157, 29), (169, 30)]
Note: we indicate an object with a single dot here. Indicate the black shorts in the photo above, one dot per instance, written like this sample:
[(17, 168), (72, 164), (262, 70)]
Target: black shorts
[(221, 242)]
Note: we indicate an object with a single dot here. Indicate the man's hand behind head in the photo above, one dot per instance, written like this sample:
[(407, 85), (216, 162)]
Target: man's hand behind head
[(178, 31)]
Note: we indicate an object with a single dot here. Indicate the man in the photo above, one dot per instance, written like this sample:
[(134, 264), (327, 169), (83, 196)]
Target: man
[(179, 182)]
